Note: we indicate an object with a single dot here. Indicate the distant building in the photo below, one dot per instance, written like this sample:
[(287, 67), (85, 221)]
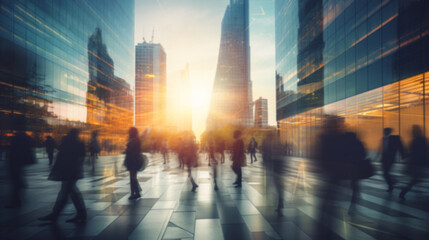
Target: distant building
[(151, 81), (231, 100), (261, 113)]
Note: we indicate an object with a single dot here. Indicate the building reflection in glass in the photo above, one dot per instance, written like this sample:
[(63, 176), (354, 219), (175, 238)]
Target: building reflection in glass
[(374, 64), (48, 74)]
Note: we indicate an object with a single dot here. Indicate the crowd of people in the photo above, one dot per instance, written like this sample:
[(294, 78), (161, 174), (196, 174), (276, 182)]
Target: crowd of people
[(339, 157)]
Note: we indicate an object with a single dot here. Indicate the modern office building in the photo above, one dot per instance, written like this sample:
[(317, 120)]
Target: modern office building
[(67, 64), (261, 113), (231, 100), (151, 83), (365, 61)]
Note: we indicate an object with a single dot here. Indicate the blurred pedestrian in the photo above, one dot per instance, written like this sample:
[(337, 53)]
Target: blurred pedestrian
[(50, 147), (417, 159), (191, 157), (213, 161), (19, 154), (390, 146), (133, 161), (94, 150), (220, 143), (355, 155), (331, 156), (252, 149), (275, 163), (68, 169), (164, 150), (237, 157), (181, 153)]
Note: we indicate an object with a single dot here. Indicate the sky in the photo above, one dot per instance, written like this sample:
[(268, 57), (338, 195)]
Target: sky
[(189, 31)]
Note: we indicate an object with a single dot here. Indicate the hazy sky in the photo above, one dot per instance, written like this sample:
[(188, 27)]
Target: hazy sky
[(189, 31)]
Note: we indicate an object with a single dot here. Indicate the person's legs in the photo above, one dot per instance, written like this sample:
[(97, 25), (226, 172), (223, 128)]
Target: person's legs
[(133, 183), (239, 177), (77, 200), (354, 184), (50, 157), (414, 181), (387, 177), (61, 198)]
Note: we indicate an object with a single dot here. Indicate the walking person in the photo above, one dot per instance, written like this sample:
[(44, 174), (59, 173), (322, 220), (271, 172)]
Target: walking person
[(221, 149), (355, 155), (275, 163), (213, 161), (390, 146), (237, 157), (190, 158), (252, 149), (164, 150), (94, 150), (50, 147), (417, 159), (68, 169), (19, 154), (133, 161)]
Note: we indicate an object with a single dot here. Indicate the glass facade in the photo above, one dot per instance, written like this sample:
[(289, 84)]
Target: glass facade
[(67, 64), (364, 60), (231, 100), (151, 85)]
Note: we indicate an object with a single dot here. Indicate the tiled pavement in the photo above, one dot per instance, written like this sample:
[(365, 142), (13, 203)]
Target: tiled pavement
[(169, 210)]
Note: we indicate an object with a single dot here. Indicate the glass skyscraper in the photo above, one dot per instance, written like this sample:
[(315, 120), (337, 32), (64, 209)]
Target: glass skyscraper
[(366, 61), (231, 100), (151, 85), (68, 64)]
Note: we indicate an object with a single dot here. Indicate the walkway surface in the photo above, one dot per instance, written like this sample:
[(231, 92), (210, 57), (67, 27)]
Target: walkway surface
[(169, 210)]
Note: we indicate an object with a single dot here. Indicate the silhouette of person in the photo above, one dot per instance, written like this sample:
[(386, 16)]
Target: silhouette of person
[(68, 168), (190, 158), (417, 159), (252, 149), (19, 154), (221, 149), (164, 150), (94, 150), (274, 162), (213, 161), (181, 153), (237, 157), (355, 154), (50, 147), (331, 156), (133, 155), (390, 146)]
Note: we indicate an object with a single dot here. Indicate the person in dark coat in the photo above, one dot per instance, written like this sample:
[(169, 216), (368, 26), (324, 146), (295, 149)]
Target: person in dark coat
[(391, 145), (50, 147), (252, 149), (417, 159), (68, 168), (133, 155), (190, 152), (20, 153), (275, 164), (355, 154), (237, 157)]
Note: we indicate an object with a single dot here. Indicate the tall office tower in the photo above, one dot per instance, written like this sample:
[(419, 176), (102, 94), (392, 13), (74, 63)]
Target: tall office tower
[(151, 81), (185, 104), (63, 64), (231, 100), (364, 61), (261, 113)]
